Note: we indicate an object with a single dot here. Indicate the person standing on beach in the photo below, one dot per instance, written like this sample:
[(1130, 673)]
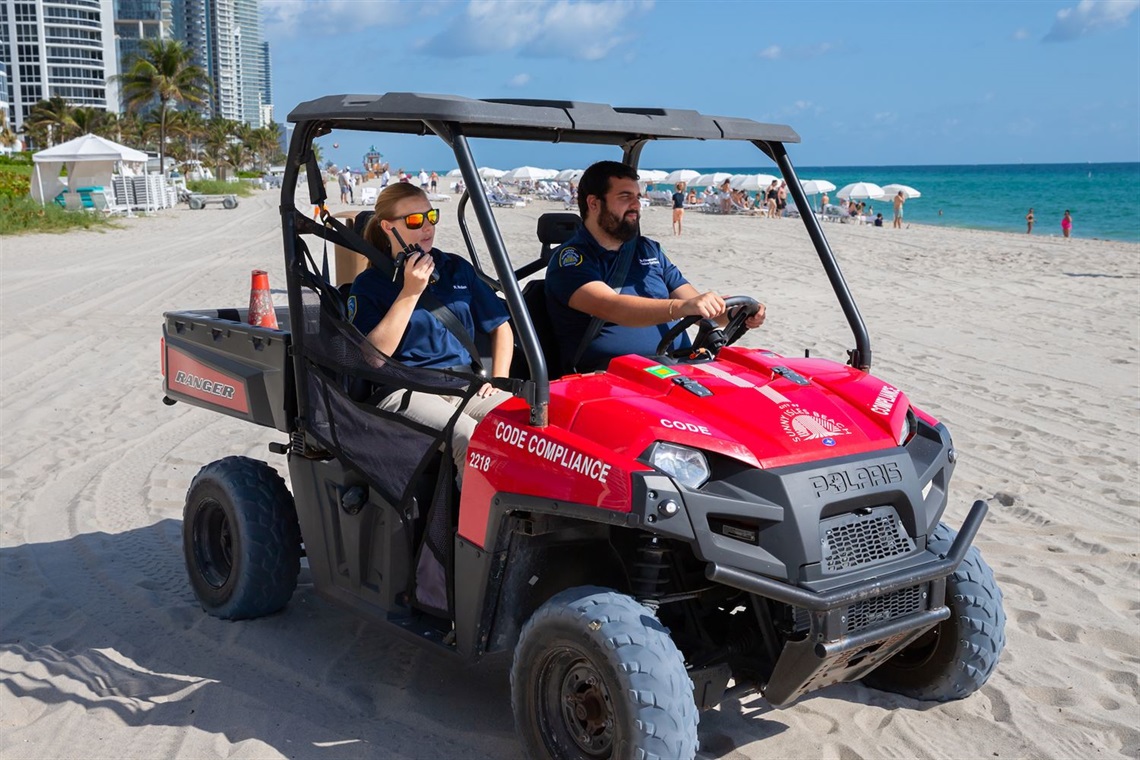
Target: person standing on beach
[(678, 206), (900, 199), (823, 203), (1067, 224), (1028, 222), (770, 198), (434, 181), (652, 295), (344, 179)]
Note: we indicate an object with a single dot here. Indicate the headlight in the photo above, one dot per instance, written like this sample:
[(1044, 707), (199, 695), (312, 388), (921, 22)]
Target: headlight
[(909, 427), (688, 466)]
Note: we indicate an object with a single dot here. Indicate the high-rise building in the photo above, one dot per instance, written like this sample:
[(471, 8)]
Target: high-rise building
[(138, 20), (63, 48), (225, 36)]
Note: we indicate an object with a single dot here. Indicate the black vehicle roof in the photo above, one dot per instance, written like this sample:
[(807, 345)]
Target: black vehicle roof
[(540, 120)]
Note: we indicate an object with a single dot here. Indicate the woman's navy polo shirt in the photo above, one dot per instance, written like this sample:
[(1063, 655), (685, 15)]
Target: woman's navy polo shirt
[(582, 260), (426, 342)]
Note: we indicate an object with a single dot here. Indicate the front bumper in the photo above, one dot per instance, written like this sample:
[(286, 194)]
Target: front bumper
[(854, 628)]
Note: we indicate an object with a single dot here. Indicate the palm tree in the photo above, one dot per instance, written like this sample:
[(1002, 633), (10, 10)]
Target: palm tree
[(87, 120), (163, 73), (7, 136), (51, 120), (219, 132)]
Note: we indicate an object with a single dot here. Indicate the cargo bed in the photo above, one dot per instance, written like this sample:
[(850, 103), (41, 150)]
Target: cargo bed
[(213, 359)]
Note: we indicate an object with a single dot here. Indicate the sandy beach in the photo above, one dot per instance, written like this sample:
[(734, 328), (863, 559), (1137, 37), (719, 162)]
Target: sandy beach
[(1025, 346)]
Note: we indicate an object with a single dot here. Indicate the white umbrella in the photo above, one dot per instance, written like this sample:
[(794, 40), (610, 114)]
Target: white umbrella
[(816, 186), (681, 175), (890, 191), (487, 172), (569, 175), (860, 191), (652, 175), (752, 182), (455, 173), (716, 179), (528, 173)]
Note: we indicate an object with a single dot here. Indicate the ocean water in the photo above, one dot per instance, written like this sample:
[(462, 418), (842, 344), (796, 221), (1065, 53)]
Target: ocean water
[(1104, 199)]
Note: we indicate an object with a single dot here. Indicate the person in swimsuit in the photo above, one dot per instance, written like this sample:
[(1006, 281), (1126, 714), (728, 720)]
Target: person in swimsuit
[(1067, 224), (1028, 222), (678, 206)]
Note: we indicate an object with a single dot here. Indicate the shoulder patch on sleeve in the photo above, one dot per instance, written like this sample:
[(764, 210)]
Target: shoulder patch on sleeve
[(570, 257), (351, 308)]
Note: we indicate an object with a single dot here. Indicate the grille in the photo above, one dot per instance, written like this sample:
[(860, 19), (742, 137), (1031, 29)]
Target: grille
[(855, 540), (883, 608)]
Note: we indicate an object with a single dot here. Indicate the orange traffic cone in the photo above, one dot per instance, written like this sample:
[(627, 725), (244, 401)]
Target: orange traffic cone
[(261, 313)]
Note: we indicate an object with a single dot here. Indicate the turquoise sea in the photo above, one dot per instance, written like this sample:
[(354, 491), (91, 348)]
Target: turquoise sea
[(1104, 198)]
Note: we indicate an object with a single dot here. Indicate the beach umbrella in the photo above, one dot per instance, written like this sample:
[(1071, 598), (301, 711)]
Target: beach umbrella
[(890, 191), (528, 174), (752, 182), (651, 175), (860, 191), (716, 179), (816, 186), (569, 175), (487, 172), (455, 173), (681, 175)]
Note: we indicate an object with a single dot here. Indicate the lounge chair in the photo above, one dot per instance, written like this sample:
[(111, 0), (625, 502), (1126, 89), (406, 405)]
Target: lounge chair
[(104, 202)]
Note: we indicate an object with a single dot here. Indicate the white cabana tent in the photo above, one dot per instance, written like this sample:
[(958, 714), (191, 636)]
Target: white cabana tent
[(90, 161)]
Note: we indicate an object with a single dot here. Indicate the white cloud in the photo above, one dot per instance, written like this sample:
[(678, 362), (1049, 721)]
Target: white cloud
[(1089, 17), (289, 18), (798, 53), (518, 80), (583, 30), (1021, 34)]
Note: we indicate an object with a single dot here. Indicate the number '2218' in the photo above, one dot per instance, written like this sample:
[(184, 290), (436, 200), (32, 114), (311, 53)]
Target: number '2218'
[(480, 462)]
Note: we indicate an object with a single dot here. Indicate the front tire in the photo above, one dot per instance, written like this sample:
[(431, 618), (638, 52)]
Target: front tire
[(958, 655), (596, 675), (240, 539)]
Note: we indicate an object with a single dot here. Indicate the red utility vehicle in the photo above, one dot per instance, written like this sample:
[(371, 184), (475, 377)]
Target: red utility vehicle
[(642, 537)]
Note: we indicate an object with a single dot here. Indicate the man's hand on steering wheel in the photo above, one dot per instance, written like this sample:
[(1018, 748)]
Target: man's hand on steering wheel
[(743, 313)]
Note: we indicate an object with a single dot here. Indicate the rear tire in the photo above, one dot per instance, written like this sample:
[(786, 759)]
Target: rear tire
[(229, 203), (240, 539), (596, 675), (196, 203), (958, 655)]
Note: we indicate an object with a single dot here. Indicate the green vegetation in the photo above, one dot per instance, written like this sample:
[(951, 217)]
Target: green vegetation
[(219, 187), (24, 214)]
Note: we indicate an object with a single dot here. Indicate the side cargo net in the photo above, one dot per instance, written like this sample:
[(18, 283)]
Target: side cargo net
[(345, 378)]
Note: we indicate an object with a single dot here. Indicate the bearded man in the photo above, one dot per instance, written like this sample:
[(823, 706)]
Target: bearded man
[(580, 279)]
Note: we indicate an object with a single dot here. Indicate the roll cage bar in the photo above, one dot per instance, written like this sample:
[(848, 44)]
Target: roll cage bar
[(456, 119)]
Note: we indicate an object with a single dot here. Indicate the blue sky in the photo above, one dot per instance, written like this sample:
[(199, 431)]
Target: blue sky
[(864, 83)]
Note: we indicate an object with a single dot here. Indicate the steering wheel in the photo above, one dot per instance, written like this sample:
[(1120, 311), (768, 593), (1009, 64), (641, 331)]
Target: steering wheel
[(711, 337)]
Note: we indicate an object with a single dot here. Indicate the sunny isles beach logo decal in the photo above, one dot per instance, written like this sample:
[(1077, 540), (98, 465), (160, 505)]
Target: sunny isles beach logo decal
[(802, 425)]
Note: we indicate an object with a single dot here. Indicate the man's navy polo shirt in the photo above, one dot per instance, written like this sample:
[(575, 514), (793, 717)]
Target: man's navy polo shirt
[(426, 342), (582, 260)]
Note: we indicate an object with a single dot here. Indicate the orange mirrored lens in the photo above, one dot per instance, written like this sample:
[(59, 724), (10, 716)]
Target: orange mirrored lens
[(415, 221)]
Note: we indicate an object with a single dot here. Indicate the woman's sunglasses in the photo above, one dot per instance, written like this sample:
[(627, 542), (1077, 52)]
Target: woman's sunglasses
[(415, 221)]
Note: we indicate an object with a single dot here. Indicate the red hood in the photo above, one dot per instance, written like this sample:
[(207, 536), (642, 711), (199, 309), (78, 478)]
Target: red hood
[(764, 409)]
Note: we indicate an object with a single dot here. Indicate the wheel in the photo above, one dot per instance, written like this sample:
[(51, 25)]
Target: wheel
[(240, 539), (958, 655), (596, 675), (229, 203), (196, 203)]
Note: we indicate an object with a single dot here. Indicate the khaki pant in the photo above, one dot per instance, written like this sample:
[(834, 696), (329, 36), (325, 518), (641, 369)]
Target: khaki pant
[(434, 411)]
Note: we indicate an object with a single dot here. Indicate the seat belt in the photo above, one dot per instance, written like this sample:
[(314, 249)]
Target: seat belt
[(616, 281), (432, 304)]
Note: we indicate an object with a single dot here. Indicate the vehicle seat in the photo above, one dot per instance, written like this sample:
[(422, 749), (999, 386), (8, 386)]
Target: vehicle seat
[(554, 229)]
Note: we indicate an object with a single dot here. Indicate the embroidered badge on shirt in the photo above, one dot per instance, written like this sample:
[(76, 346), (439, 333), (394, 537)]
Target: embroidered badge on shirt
[(351, 308), (569, 258)]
